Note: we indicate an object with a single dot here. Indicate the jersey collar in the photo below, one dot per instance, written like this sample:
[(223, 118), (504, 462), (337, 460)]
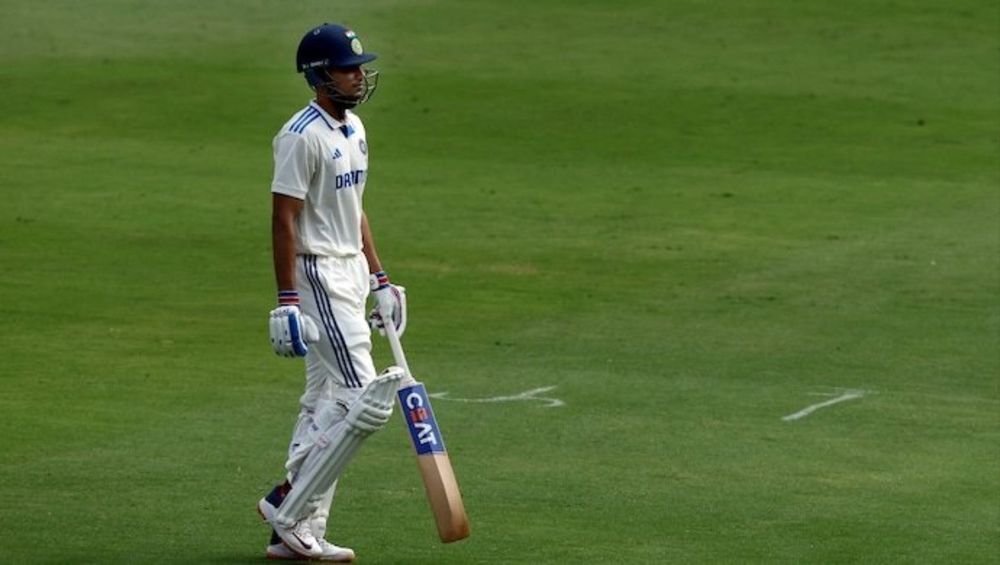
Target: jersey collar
[(331, 122)]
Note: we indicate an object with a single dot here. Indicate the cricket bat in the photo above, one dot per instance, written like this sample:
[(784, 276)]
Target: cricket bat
[(432, 457)]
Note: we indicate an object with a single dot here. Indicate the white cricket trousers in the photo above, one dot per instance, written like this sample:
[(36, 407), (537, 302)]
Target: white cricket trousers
[(332, 291)]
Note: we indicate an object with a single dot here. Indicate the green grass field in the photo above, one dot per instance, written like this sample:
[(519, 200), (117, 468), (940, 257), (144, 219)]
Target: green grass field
[(691, 218)]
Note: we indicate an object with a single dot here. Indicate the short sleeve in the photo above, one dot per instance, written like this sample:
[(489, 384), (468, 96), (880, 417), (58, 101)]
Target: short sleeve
[(293, 165)]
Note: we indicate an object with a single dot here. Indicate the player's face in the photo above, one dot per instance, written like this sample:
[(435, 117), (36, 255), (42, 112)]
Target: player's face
[(349, 82)]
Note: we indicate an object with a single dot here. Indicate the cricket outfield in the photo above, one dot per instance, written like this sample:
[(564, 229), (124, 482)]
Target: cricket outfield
[(690, 282)]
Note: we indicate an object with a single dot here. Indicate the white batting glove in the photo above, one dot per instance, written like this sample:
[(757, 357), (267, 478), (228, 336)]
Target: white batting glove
[(390, 304), (291, 330)]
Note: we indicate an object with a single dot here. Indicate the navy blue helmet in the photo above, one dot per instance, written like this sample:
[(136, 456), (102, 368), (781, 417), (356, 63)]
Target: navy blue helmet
[(332, 46)]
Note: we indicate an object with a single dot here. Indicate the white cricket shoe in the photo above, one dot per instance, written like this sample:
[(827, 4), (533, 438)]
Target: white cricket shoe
[(298, 537), (330, 552)]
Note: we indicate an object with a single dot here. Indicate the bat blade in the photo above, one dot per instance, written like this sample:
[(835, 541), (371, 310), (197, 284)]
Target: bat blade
[(444, 497), (443, 493)]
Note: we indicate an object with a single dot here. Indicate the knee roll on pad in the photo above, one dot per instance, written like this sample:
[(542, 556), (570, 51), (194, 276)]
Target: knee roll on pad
[(314, 424)]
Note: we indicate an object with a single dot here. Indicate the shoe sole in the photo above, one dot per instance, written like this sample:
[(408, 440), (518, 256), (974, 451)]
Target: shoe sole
[(297, 557), (349, 560), (277, 557)]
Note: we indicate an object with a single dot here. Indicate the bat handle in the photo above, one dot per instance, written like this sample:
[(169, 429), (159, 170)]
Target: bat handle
[(397, 352)]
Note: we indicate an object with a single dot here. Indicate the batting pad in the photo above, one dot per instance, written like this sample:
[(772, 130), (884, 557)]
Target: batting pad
[(335, 447), (319, 516), (307, 431)]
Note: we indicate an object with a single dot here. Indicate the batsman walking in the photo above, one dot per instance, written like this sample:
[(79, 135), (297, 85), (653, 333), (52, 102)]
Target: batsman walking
[(325, 266)]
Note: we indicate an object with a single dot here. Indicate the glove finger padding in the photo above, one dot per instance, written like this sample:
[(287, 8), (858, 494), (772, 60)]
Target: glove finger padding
[(278, 328), (289, 331), (399, 314), (393, 299), (273, 332)]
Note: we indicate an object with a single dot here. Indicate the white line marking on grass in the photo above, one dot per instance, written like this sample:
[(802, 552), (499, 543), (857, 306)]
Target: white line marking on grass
[(849, 394), (526, 395)]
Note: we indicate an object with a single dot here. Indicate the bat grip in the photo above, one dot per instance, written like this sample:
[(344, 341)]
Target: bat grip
[(397, 353)]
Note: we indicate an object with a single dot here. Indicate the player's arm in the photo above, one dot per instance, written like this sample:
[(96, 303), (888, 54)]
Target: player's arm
[(290, 330), (368, 246), (294, 166), (390, 300), (284, 211)]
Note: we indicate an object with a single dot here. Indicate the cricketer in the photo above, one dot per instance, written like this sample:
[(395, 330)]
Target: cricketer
[(325, 265)]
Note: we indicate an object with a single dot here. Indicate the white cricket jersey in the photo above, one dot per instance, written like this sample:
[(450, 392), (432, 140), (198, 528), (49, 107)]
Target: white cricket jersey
[(323, 162)]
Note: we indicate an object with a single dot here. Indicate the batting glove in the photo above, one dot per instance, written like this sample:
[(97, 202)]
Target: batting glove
[(291, 330), (390, 304)]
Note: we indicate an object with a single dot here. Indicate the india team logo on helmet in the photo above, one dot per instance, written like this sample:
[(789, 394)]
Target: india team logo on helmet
[(355, 42)]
